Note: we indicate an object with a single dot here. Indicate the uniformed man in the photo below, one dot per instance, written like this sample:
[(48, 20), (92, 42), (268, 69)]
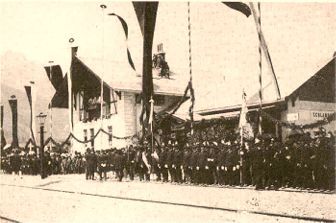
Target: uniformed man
[(258, 165), (131, 162), (164, 163), (119, 164)]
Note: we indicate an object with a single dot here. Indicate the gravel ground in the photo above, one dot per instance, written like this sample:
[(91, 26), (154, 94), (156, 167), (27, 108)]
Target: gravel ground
[(302, 204)]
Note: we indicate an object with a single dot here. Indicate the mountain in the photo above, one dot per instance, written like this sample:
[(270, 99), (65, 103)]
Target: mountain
[(16, 72)]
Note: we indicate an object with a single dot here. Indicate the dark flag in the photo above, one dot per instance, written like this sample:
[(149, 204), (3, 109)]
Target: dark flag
[(29, 95), (146, 14), (239, 6), (60, 83), (56, 77), (125, 27), (13, 105)]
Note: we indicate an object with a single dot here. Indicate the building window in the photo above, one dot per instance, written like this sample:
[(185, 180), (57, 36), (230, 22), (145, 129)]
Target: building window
[(110, 135), (92, 135), (159, 100), (293, 102), (138, 99), (85, 134)]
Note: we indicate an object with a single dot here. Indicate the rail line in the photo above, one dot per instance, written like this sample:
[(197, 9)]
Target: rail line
[(279, 215)]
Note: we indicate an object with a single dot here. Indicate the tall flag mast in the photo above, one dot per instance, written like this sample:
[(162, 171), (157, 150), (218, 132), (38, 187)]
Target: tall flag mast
[(71, 41), (50, 105), (103, 71), (260, 74)]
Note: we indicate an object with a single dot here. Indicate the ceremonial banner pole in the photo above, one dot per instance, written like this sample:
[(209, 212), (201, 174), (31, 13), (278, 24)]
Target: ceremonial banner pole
[(192, 96), (50, 106), (73, 53), (242, 123), (102, 75), (260, 73)]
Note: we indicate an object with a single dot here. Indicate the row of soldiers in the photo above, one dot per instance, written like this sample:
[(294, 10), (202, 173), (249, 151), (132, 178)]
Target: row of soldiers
[(265, 163), (302, 162)]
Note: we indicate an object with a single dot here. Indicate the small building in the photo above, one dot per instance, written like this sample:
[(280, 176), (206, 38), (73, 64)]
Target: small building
[(313, 101), (121, 102), (308, 105)]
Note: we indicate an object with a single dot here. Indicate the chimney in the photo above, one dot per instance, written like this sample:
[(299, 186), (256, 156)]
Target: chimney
[(160, 50), (13, 105), (73, 48)]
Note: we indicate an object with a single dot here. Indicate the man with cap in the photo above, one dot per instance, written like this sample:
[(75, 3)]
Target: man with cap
[(119, 164), (164, 163), (169, 162), (186, 163), (220, 164), (131, 162), (258, 164), (177, 163)]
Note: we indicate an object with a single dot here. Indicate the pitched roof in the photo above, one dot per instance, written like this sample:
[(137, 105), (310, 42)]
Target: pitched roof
[(121, 77)]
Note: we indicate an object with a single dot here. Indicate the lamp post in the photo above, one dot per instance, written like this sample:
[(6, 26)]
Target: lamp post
[(41, 119)]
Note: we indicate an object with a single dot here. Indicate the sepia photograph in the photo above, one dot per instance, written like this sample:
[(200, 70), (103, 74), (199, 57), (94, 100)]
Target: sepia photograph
[(167, 111)]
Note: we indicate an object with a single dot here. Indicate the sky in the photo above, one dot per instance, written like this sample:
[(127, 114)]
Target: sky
[(301, 38)]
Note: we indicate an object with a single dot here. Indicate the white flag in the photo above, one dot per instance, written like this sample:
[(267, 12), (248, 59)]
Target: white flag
[(244, 110), (151, 101)]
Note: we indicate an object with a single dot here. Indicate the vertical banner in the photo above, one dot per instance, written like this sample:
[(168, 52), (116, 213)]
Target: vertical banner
[(13, 105), (146, 14), (29, 95)]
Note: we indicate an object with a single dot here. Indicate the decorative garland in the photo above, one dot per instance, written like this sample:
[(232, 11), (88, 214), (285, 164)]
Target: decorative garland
[(61, 145)]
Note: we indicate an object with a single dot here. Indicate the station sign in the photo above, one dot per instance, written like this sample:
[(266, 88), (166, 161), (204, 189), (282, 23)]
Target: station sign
[(320, 115)]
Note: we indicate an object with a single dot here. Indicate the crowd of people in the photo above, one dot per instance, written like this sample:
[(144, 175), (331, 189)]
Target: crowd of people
[(29, 163), (301, 162)]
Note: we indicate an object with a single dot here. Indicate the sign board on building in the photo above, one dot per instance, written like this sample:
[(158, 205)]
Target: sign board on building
[(320, 115), (291, 117)]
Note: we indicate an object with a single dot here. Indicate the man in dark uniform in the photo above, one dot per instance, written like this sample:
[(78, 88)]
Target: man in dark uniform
[(119, 164), (258, 165), (164, 163), (177, 164), (47, 163), (15, 162), (169, 162), (220, 164), (201, 166), (186, 163), (193, 164), (131, 162)]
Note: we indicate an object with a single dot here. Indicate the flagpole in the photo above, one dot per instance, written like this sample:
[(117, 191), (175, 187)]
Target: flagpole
[(71, 40), (241, 139), (192, 96), (50, 104), (102, 75)]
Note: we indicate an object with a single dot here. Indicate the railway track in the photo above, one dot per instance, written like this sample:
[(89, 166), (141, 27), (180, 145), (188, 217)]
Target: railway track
[(270, 214)]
